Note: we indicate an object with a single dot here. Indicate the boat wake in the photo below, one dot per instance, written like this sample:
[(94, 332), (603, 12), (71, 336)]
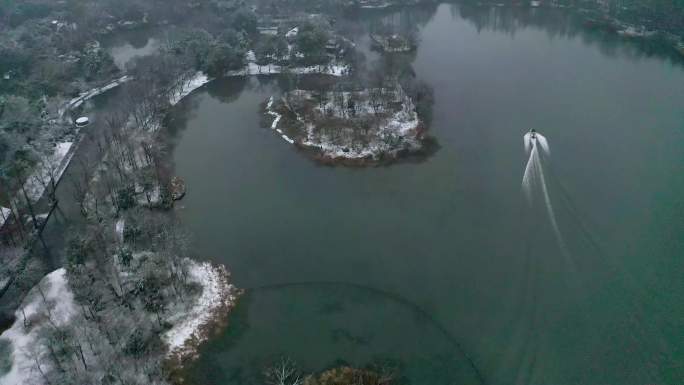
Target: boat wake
[(534, 181)]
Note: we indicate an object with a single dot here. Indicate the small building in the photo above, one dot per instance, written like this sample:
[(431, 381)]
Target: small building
[(82, 121), (332, 47), (292, 34), (271, 31)]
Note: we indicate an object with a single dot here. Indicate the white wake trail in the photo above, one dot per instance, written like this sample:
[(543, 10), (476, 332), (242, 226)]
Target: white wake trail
[(543, 143), (529, 177), (533, 176), (549, 209)]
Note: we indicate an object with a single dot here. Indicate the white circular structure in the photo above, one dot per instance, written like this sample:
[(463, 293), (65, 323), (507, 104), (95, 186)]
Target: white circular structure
[(82, 121)]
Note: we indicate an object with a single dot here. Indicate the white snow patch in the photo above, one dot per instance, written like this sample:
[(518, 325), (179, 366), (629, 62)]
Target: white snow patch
[(216, 293), (51, 167), (194, 83), (276, 120), (292, 33), (24, 343), (4, 215), (253, 68), (119, 229)]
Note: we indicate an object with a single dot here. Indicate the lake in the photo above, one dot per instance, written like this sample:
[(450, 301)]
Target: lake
[(125, 46), (443, 268)]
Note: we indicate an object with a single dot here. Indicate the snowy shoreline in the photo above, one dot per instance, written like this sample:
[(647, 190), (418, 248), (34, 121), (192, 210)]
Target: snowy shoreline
[(273, 69), (252, 69), (276, 120), (58, 308), (194, 83), (58, 162), (403, 124), (209, 312)]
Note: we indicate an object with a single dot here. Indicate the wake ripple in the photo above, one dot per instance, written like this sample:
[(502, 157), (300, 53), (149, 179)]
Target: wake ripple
[(535, 181)]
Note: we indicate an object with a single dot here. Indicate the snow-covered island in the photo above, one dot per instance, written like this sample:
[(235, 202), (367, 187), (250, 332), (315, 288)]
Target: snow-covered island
[(356, 127)]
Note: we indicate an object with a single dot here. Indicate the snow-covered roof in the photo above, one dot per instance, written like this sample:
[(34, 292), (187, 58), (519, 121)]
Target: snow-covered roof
[(268, 30), (293, 32)]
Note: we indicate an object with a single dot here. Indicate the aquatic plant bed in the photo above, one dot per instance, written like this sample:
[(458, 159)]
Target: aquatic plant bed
[(362, 127)]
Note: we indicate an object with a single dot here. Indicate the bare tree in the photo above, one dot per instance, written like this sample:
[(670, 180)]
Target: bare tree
[(284, 372)]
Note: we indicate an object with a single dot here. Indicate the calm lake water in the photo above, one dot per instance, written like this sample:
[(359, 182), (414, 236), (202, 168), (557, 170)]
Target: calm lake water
[(442, 267), (125, 46)]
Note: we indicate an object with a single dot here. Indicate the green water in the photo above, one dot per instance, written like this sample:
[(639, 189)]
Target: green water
[(441, 266)]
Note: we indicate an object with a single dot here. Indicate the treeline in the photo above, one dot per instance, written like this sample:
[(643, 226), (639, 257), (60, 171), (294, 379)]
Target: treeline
[(664, 16), (657, 15)]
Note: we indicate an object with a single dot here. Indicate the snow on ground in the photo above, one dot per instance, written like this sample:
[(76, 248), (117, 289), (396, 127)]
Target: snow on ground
[(4, 215), (276, 120), (217, 295), (23, 340), (253, 68), (77, 101), (376, 6), (401, 123), (194, 83), (51, 167), (119, 229), (189, 325), (55, 164), (149, 198), (397, 130)]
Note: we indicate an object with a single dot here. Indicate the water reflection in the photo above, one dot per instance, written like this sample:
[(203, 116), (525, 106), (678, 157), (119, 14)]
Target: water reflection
[(561, 23), (125, 46)]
